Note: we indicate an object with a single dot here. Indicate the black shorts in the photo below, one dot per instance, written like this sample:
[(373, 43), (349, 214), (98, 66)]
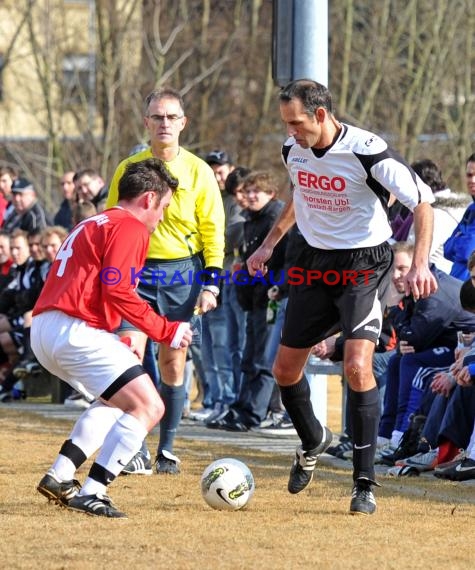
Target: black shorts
[(337, 290)]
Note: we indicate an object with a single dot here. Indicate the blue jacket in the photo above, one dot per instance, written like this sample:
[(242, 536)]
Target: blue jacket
[(434, 321), (461, 243)]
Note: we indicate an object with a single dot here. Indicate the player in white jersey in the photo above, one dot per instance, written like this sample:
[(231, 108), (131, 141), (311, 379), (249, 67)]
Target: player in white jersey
[(342, 178)]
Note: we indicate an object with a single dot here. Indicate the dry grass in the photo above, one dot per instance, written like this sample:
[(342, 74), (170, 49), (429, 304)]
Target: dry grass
[(420, 523)]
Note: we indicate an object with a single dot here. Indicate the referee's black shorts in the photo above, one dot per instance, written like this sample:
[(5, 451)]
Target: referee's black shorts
[(337, 290)]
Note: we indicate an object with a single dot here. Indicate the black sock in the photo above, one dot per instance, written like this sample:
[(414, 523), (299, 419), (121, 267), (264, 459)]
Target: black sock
[(296, 399), (364, 413)]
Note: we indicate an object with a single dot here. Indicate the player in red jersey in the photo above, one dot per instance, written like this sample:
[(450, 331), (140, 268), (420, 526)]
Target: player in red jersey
[(89, 290)]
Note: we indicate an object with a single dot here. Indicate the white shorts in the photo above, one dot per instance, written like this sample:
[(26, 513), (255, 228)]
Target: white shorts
[(79, 354)]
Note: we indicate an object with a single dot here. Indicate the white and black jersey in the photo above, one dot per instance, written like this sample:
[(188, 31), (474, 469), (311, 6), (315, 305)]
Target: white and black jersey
[(341, 193)]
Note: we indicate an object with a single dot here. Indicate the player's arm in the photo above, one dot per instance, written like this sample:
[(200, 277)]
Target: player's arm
[(257, 261), (127, 256), (420, 281)]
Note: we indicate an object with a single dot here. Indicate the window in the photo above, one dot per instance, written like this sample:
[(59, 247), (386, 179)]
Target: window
[(78, 78)]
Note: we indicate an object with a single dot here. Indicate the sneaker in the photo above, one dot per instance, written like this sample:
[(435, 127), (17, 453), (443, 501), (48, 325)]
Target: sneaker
[(408, 446), (452, 463), (362, 498), (61, 492), (340, 450), (27, 368), (280, 427), (402, 471), (167, 463), (301, 472), (384, 451), (201, 415), (463, 471), (97, 505), (423, 461), (272, 419), (140, 464), (77, 400)]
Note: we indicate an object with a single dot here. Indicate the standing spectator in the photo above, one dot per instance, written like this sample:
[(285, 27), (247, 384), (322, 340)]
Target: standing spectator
[(90, 187), (64, 215), (190, 238), (28, 213), (72, 336), (342, 177), (461, 243), (252, 405), (222, 166), (216, 355)]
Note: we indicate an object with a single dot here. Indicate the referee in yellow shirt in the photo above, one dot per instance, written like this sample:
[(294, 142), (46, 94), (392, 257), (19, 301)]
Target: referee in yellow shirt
[(190, 239)]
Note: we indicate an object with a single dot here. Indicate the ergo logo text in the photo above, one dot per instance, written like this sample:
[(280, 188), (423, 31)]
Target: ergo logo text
[(310, 180)]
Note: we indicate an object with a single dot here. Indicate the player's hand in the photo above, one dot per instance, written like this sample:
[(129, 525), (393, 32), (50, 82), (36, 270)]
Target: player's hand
[(183, 336), (420, 282), (207, 301), (257, 261)]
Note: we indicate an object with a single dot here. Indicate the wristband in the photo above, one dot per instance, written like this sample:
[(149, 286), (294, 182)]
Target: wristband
[(214, 289), (210, 276)]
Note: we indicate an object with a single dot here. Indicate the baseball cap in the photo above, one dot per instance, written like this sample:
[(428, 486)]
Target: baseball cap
[(21, 185), (218, 157)]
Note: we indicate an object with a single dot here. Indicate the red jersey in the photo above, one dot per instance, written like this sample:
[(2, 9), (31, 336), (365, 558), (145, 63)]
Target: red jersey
[(92, 276)]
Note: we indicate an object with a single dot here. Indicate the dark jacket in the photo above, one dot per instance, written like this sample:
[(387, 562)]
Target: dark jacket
[(21, 294), (252, 291), (434, 321), (64, 215)]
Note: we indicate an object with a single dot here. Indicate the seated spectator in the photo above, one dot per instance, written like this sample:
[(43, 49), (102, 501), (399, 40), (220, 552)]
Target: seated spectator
[(427, 334), (28, 213), (7, 176), (449, 208), (461, 243), (6, 260), (64, 215), (17, 302), (83, 210)]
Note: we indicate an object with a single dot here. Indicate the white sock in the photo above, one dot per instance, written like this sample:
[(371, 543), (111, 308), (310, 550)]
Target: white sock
[(122, 442), (88, 434)]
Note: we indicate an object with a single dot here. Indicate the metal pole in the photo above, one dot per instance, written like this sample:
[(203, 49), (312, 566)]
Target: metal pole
[(310, 40)]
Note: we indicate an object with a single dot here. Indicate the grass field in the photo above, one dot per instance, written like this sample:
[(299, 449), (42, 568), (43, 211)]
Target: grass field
[(420, 523)]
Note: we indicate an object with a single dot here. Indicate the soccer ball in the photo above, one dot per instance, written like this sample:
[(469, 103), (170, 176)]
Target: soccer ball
[(227, 484)]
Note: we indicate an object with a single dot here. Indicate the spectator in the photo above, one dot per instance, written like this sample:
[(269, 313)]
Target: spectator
[(64, 215), (28, 213), (252, 405), (7, 176), (91, 187), (216, 354), (427, 333), (6, 260), (461, 243)]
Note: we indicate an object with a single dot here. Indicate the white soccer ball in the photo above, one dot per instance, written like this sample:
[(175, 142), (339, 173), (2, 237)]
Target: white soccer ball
[(227, 484)]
